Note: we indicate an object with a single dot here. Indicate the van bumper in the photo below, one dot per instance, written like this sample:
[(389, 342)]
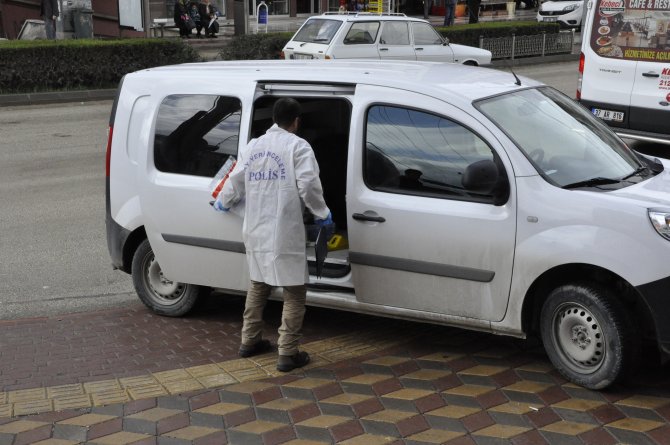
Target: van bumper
[(657, 297), (116, 235)]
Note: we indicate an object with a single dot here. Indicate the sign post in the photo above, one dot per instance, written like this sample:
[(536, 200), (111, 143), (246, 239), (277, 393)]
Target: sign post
[(262, 16)]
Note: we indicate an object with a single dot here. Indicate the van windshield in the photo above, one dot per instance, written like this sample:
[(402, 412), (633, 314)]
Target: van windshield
[(567, 145), (318, 31)]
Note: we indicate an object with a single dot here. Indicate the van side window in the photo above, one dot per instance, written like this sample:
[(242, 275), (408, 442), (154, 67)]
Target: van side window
[(395, 33), (195, 134), (362, 32), (413, 152)]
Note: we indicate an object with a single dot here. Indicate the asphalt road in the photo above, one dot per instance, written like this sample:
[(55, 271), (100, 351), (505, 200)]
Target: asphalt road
[(53, 252)]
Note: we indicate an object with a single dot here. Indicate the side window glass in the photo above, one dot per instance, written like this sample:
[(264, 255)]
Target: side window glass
[(395, 33), (425, 34), (195, 134), (362, 32), (413, 152)]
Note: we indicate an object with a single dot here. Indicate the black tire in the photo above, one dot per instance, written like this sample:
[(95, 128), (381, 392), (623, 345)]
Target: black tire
[(162, 296), (588, 335)]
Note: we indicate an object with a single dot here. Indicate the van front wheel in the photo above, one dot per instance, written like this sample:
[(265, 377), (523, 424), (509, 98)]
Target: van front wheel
[(588, 335), (164, 297)]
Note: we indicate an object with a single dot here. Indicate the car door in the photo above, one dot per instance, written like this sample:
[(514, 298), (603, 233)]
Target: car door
[(359, 42), (394, 42), (417, 240), (429, 45), (193, 136)]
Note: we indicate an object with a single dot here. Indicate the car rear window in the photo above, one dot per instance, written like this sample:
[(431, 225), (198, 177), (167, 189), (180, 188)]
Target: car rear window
[(318, 31)]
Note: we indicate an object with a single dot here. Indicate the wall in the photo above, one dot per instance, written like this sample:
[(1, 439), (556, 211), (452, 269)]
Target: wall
[(105, 18)]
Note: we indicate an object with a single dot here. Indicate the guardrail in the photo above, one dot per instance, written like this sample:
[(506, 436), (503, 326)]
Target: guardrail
[(526, 46)]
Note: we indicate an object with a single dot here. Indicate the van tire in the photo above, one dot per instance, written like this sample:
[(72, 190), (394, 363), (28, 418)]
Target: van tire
[(588, 335), (162, 296)]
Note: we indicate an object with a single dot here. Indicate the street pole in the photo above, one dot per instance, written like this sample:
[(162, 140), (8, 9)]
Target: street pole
[(147, 18)]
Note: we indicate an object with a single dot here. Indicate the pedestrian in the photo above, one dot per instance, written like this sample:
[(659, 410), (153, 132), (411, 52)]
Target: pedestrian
[(473, 11), (194, 13), (449, 12), (209, 13), (182, 19), (427, 5), (49, 10), (276, 174)]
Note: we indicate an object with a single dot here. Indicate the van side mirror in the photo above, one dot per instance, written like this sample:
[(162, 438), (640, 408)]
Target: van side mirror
[(480, 177)]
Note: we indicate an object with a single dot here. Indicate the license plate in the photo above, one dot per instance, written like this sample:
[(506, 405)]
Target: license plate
[(608, 115), (550, 19), (302, 56)]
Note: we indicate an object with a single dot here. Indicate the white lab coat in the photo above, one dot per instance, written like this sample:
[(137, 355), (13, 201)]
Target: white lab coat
[(274, 173)]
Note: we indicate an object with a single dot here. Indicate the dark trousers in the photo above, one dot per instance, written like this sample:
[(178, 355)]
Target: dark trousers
[(473, 10), (449, 14)]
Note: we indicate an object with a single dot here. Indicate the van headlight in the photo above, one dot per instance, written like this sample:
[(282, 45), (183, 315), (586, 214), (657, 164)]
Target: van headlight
[(660, 219), (571, 7)]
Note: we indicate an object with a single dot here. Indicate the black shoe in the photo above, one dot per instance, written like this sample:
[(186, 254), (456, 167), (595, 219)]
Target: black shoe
[(288, 363), (255, 349)]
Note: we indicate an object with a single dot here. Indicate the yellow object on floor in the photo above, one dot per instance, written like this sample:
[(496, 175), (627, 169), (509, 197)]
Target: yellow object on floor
[(338, 242)]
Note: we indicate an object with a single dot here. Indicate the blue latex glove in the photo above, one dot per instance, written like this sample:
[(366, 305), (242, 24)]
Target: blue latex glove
[(219, 207), (327, 221)]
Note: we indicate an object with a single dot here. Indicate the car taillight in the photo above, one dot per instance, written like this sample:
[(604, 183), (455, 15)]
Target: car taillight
[(581, 74), (110, 131), (282, 55)]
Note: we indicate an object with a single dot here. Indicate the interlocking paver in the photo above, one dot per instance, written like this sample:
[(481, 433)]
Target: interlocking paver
[(462, 388)]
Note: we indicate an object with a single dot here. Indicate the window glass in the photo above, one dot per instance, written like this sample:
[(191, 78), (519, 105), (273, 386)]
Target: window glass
[(413, 152), (565, 142), (425, 34), (195, 134), (362, 32), (395, 33), (318, 31)]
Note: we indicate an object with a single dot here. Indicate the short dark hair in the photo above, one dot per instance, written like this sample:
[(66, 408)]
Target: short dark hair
[(285, 111)]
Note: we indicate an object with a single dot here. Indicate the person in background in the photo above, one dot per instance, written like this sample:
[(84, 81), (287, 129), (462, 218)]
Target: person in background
[(194, 12), (276, 175), (49, 10), (473, 11), (449, 12), (208, 15), (181, 18)]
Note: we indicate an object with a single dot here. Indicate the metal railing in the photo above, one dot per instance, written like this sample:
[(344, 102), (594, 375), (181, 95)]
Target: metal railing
[(525, 46)]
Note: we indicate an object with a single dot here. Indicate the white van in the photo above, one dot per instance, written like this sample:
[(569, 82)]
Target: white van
[(377, 36), (624, 71), (468, 197)]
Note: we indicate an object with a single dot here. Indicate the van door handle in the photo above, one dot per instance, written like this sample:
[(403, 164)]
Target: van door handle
[(383, 49), (419, 49), (364, 217), (651, 74)]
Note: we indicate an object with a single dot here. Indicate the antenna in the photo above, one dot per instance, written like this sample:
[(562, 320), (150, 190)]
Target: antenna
[(511, 70)]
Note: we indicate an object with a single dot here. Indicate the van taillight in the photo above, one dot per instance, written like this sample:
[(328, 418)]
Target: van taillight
[(110, 130), (581, 75)]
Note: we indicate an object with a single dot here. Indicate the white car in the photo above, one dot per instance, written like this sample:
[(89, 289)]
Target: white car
[(377, 36), (468, 196), (567, 13)]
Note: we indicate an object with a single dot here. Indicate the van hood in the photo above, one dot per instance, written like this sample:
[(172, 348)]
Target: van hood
[(654, 192)]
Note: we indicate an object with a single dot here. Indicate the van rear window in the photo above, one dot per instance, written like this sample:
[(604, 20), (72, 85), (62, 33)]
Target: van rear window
[(318, 31), (196, 134), (632, 30)]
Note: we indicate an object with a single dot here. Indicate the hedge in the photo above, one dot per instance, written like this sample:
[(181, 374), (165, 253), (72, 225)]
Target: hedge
[(269, 46), (52, 65)]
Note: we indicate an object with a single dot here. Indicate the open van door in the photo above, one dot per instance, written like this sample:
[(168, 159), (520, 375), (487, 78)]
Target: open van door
[(194, 135)]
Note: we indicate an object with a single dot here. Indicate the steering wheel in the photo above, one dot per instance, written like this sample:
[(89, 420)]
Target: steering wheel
[(536, 156)]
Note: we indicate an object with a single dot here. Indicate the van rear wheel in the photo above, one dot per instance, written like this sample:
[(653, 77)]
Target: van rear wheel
[(161, 295), (588, 335)]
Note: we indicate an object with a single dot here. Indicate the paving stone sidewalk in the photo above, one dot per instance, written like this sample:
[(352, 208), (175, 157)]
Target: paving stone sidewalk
[(374, 381)]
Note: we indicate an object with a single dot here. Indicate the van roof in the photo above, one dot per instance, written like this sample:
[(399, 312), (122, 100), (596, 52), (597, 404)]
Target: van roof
[(435, 79)]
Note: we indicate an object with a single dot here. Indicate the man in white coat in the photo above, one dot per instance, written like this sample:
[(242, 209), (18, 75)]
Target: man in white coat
[(276, 174)]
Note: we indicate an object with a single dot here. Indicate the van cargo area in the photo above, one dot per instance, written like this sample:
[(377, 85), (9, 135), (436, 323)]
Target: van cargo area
[(324, 123)]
